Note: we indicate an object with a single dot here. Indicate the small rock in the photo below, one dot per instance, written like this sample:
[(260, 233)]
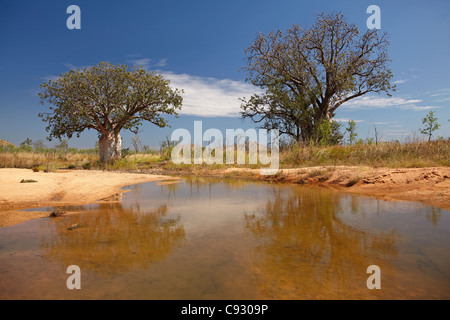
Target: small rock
[(56, 213), (74, 226)]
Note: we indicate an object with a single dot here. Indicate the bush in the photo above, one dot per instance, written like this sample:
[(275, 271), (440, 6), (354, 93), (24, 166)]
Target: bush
[(27, 181), (87, 166)]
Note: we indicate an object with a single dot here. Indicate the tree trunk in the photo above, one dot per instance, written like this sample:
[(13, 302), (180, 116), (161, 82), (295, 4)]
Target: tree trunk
[(110, 146)]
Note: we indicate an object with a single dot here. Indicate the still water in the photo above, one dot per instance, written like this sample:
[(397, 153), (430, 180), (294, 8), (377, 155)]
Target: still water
[(215, 239)]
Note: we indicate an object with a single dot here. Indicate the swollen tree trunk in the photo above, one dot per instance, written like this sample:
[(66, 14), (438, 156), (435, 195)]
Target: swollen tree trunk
[(110, 146)]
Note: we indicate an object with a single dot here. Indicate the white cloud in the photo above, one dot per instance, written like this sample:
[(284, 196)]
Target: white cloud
[(74, 67), (210, 97), (161, 63), (141, 62), (371, 102), (345, 120), (382, 123), (70, 66), (395, 132), (442, 100), (147, 63), (400, 81), (438, 92), (50, 77), (413, 107)]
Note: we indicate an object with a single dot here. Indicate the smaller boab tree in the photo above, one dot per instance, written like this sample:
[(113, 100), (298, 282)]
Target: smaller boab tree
[(107, 98)]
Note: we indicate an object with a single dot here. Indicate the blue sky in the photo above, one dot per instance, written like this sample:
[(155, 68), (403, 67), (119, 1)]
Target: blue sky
[(199, 46)]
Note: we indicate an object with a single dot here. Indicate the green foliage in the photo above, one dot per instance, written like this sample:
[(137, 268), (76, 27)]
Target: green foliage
[(351, 129), (63, 146), (126, 152), (26, 145), (307, 73), (166, 148), (107, 98), (328, 133), (39, 145), (431, 125), (86, 166)]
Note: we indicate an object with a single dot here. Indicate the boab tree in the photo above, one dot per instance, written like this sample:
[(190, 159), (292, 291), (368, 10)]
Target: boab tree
[(107, 98), (306, 74)]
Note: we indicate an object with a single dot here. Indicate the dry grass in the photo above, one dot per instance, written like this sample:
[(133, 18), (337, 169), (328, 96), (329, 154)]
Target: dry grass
[(388, 154), (43, 161)]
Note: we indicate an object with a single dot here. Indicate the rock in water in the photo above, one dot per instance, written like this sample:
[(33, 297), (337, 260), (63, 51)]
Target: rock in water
[(56, 213), (74, 226)]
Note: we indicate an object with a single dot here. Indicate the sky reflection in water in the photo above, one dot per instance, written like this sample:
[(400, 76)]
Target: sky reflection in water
[(215, 239)]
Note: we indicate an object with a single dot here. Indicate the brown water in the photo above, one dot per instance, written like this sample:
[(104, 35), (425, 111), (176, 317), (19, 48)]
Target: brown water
[(211, 239)]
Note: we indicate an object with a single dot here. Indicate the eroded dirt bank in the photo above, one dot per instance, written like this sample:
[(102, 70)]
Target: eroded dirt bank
[(428, 185)]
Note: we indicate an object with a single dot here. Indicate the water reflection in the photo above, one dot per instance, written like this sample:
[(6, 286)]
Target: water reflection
[(112, 239), (306, 250), (216, 239)]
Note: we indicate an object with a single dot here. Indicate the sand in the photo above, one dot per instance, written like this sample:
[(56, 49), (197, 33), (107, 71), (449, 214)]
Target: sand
[(76, 187), (70, 187), (427, 185)]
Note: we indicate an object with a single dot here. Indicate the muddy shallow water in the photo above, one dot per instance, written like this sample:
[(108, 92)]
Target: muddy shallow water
[(215, 239)]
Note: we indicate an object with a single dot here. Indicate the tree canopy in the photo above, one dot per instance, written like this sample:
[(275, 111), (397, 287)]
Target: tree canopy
[(107, 98), (307, 74)]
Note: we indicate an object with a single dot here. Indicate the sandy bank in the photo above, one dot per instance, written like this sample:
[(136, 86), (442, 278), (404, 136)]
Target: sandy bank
[(427, 185), (58, 188)]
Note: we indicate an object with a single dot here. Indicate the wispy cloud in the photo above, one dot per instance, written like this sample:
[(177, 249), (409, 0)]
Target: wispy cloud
[(372, 102), (50, 77), (210, 97), (383, 123), (400, 81), (74, 67), (346, 120), (69, 65), (396, 132), (146, 63), (438, 92), (161, 63), (442, 100)]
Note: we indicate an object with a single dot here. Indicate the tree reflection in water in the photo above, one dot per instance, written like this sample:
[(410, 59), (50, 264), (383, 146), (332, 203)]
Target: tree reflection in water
[(305, 250), (113, 239)]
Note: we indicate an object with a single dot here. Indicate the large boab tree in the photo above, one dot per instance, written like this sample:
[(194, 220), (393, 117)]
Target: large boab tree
[(107, 98), (307, 74)]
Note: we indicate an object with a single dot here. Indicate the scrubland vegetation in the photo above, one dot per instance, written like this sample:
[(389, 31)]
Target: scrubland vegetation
[(412, 154)]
